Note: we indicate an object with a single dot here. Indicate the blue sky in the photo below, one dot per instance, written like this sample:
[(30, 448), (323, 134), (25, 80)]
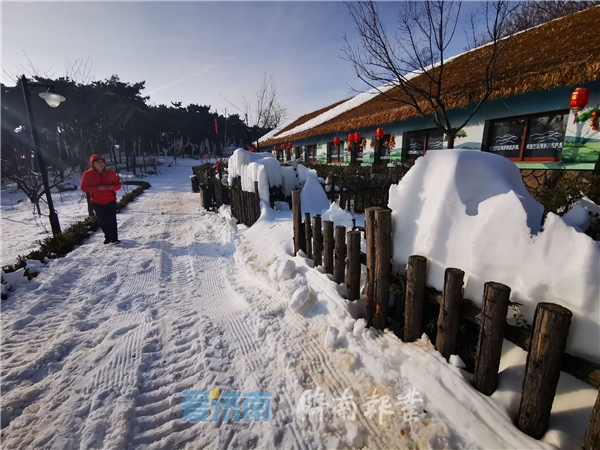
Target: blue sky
[(195, 52)]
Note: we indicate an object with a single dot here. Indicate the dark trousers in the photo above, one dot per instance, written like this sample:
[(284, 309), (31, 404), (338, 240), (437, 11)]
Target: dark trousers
[(107, 216)]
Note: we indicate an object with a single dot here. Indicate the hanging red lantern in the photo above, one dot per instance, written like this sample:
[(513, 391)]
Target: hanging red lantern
[(275, 148), (357, 137), (379, 133), (579, 98), (336, 141), (289, 145), (350, 137)]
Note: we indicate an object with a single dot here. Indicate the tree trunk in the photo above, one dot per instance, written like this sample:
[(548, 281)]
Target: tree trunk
[(451, 135)]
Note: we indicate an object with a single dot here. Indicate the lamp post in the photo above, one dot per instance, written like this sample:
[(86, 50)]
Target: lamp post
[(53, 100)]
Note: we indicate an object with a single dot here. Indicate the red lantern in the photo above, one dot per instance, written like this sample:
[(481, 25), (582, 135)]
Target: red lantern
[(357, 137), (379, 133), (336, 141), (579, 98), (289, 145), (275, 148), (350, 137)]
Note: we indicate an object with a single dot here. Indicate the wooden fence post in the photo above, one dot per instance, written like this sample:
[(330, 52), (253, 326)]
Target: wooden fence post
[(370, 238), (491, 335), (591, 439), (339, 265), (328, 246), (353, 266), (549, 341), (317, 240), (383, 257), (297, 218), (447, 324), (416, 276), (308, 235)]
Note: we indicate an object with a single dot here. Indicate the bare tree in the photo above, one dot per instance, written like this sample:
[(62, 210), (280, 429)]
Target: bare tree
[(532, 13), (20, 167), (266, 113), (410, 68)]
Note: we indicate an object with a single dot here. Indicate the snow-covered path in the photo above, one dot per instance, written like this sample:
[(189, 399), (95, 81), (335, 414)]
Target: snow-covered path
[(97, 350)]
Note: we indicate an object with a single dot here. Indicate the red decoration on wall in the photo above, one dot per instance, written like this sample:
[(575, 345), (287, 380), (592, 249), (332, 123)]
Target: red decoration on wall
[(216, 127), (289, 145), (379, 133), (357, 137), (336, 141), (350, 137), (579, 98)]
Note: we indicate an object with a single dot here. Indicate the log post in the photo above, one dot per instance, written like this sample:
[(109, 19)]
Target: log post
[(317, 241), (339, 265), (353, 266), (447, 325), (297, 219), (328, 246), (416, 276), (491, 335), (549, 341), (308, 235), (383, 256), (370, 238), (591, 439)]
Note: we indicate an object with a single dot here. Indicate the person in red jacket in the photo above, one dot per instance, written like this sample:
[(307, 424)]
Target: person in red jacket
[(102, 184)]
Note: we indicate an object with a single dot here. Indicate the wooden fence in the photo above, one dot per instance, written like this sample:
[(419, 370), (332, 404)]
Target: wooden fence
[(340, 255), (358, 192)]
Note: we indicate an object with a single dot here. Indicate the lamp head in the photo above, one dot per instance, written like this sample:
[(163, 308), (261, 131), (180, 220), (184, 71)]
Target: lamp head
[(52, 98)]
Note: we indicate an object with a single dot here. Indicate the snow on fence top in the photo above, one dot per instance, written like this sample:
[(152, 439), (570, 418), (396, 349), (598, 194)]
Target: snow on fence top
[(266, 169), (470, 210)]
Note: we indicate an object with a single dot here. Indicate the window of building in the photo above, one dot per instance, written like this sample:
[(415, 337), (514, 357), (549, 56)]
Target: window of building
[(335, 153), (416, 143), (538, 137), (310, 153), (298, 152)]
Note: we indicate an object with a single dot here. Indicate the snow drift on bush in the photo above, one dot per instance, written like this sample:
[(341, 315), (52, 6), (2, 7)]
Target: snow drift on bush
[(470, 210)]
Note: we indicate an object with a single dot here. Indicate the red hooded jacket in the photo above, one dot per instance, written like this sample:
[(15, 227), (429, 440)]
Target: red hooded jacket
[(90, 180)]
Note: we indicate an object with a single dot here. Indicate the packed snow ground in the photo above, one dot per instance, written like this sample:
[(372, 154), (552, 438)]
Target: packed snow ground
[(97, 350)]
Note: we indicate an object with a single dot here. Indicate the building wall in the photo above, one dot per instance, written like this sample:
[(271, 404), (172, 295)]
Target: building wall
[(580, 148)]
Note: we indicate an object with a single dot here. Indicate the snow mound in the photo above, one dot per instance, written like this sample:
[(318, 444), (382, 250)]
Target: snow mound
[(313, 198), (338, 216), (470, 210)]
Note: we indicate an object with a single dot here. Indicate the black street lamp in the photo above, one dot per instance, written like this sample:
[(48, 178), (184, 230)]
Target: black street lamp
[(53, 100)]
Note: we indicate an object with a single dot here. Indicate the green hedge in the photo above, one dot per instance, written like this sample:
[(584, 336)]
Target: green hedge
[(56, 246)]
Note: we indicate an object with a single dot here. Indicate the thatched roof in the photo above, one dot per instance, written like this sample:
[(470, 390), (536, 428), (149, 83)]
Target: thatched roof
[(563, 52), (305, 118)]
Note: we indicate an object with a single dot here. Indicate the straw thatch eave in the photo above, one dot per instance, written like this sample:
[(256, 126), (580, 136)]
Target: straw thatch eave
[(563, 52)]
